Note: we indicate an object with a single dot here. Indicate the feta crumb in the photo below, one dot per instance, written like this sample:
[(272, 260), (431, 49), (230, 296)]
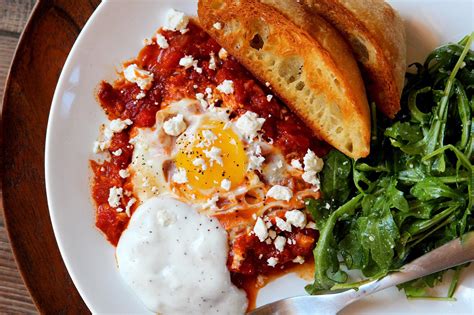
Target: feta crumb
[(260, 229), (214, 155), (142, 78), (175, 126), (255, 162), (176, 21), (279, 192), (211, 203), (217, 25), (283, 225), (269, 97), (202, 101), (249, 124), (311, 178), (161, 41), (117, 125), (272, 261), (147, 42), (232, 141), (119, 210), (124, 173), (115, 195), (223, 54), (117, 152), (209, 136), (225, 184), (254, 216), (296, 218), (129, 205), (267, 84), (312, 162), (180, 176), (298, 260), (279, 243), (212, 62), (200, 162), (186, 62), (296, 164), (140, 95), (311, 225), (226, 87)]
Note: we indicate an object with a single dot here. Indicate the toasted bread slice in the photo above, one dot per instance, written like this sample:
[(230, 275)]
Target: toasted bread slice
[(325, 91), (377, 36)]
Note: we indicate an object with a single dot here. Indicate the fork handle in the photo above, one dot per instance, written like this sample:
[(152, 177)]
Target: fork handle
[(449, 255)]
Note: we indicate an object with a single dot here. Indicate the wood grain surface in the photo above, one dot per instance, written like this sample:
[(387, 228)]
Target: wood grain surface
[(42, 51)]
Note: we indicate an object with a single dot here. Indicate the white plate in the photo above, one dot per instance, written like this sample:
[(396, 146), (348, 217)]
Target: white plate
[(113, 34)]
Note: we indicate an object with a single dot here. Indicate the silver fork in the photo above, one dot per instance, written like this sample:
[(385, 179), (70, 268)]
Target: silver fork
[(449, 255)]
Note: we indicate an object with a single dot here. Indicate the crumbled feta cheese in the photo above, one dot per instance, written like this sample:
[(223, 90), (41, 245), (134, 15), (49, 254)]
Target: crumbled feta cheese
[(211, 203), (212, 62), (209, 136), (272, 261), (180, 176), (217, 25), (117, 152), (214, 155), (267, 84), (279, 192), (226, 87), (115, 195), (296, 164), (223, 54), (249, 124), (296, 218), (176, 21), (279, 243), (147, 42), (311, 178), (130, 203), (119, 210), (161, 41), (186, 62), (298, 260), (283, 225), (260, 229), (200, 162), (269, 97), (175, 126), (209, 92), (124, 173), (255, 162), (202, 101), (311, 225), (140, 95), (142, 78), (225, 184), (312, 162), (117, 125)]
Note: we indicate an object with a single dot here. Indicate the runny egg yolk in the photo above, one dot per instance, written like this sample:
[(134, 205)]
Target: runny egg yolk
[(211, 155)]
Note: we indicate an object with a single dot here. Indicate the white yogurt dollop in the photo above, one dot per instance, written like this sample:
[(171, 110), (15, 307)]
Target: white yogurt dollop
[(174, 259)]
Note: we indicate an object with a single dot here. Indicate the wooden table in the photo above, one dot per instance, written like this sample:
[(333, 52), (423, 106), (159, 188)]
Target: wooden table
[(14, 297)]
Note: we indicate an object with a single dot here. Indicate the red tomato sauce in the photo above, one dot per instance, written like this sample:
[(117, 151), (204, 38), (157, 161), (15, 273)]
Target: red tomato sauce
[(173, 82)]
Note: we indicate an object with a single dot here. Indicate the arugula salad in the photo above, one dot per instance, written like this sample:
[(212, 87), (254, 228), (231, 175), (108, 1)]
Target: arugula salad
[(414, 192)]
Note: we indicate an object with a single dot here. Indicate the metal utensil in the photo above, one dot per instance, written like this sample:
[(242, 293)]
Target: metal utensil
[(449, 255)]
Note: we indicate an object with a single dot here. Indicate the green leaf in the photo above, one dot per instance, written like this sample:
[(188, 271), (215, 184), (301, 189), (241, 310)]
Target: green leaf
[(335, 178), (432, 188)]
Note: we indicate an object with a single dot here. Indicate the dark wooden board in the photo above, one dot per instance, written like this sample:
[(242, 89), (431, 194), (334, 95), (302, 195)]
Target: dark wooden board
[(40, 56)]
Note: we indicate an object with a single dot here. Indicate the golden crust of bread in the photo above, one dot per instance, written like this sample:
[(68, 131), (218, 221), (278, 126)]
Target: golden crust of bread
[(324, 90), (377, 36)]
